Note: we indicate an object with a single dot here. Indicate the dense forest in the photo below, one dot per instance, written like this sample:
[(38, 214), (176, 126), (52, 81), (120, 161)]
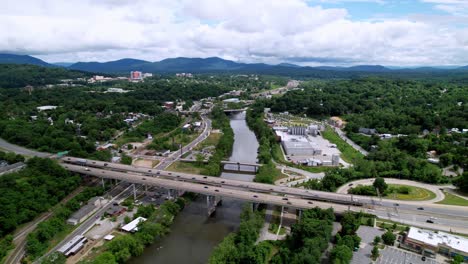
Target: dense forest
[(389, 106), (309, 238), (89, 114), (30, 192), (20, 75)]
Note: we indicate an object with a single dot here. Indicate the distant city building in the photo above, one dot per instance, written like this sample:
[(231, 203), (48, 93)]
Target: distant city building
[(46, 107), (136, 76), (169, 105), (147, 75), (231, 100), (183, 74), (116, 90)]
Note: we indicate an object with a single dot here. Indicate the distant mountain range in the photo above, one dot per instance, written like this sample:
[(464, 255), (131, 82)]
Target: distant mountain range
[(215, 64), (22, 59)]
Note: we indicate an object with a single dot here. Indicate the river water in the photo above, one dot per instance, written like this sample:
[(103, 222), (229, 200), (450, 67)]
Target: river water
[(194, 235)]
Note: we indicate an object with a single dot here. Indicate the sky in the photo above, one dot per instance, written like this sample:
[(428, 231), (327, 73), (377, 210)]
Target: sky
[(303, 32)]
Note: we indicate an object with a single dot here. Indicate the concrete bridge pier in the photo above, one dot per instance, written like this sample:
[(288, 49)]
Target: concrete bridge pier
[(211, 203), (299, 214), (255, 206)]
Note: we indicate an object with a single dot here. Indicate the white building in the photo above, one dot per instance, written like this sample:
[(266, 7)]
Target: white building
[(133, 225), (430, 242), (46, 107)]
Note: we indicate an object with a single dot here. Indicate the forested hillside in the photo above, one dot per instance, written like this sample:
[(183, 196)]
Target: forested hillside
[(20, 75)]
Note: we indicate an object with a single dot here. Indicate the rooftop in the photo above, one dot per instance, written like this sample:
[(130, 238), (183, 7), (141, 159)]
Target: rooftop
[(440, 238), (133, 225)]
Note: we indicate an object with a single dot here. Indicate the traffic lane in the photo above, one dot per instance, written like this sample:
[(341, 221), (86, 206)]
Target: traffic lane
[(312, 194), (445, 224), (212, 190)]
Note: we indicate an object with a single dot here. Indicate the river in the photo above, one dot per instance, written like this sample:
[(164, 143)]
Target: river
[(194, 235)]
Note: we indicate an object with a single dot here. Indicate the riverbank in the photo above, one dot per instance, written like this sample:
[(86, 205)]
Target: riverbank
[(193, 234)]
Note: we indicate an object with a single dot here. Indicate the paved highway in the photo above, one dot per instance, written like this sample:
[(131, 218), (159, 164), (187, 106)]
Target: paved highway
[(448, 218), (177, 154), (435, 209), (21, 150)]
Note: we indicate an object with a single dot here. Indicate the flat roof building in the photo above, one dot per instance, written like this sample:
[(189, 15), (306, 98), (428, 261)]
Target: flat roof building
[(133, 225), (430, 242)]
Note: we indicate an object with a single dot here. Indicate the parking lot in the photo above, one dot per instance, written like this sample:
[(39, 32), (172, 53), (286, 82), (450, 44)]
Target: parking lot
[(391, 255)]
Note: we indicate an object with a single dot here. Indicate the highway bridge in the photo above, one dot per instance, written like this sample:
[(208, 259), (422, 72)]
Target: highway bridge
[(272, 194), (210, 190)]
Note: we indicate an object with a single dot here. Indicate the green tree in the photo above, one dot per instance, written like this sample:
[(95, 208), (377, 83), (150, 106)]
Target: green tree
[(389, 238), (375, 253), (380, 184), (377, 240), (105, 258), (341, 254), (457, 259)]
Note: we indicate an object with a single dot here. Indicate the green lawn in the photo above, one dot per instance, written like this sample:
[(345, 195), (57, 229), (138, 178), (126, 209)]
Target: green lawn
[(415, 194), (451, 199), (185, 167), (211, 140), (348, 153)]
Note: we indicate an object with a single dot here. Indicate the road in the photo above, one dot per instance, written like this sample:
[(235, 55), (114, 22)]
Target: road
[(177, 154), (89, 223), (349, 141), (433, 188), (21, 150), (451, 217)]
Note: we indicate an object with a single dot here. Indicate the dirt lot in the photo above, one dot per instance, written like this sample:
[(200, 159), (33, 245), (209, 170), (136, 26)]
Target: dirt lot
[(145, 163)]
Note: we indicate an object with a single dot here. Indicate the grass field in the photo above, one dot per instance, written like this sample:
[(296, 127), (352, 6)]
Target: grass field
[(348, 153), (451, 199), (415, 194), (185, 167), (211, 140)]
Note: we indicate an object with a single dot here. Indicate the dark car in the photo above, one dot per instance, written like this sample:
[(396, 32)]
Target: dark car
[(310, 202), (255, 196), (423, 258), (350, 184), (420, 208), (429, 221), (396, 204), (285, 198)]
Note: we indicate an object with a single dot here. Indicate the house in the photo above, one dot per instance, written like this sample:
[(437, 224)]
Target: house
[(367, 131), (115, 210)]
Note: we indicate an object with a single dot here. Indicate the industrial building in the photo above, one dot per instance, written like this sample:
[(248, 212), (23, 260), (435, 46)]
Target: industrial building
[(429, 243), (73, 246), (84, 212)]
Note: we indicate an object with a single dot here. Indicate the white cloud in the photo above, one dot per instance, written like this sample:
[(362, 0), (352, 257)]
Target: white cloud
[(252, 31), (455, 7)]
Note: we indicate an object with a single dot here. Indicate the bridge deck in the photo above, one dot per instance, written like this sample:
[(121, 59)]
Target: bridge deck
[(297, 203)]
